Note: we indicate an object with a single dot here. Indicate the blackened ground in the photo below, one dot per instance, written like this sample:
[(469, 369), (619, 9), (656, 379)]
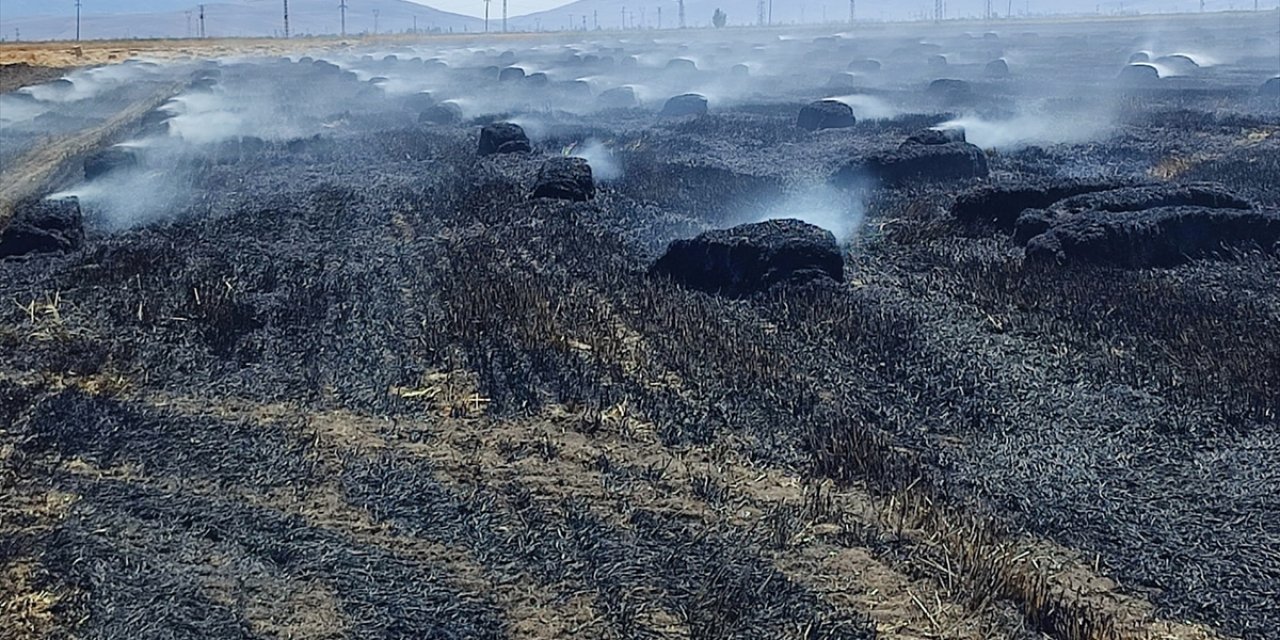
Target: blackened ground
[(386, 275)]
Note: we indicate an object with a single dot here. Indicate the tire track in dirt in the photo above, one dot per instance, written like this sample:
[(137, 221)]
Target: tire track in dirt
[(27, 175)]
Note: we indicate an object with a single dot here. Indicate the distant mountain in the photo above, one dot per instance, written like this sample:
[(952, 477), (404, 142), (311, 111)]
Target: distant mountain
[(239, 18)]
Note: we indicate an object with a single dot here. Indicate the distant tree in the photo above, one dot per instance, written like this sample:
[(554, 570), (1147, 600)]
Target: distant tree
[(719, 19)]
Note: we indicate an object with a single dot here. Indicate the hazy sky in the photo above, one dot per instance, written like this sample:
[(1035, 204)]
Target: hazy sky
[(476, 7)]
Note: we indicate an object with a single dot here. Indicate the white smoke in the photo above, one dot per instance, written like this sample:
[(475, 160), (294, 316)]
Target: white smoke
[(822, 206), (604, 166)]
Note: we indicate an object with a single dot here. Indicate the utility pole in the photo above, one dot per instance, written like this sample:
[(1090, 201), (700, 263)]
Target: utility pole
[(188, 23), (771, 13), (77, 20), (938, 12), (486, 16), (342, 8), (504, 16), (202, 31), (853, 11), (760, 13), (624, 18), (595, 16), (376, 12), (1009, 13), (415, 24), (681, 14), (659, 18), (286, 19)]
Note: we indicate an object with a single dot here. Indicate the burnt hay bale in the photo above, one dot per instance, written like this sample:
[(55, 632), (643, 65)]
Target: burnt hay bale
[(909, 163), (108, 160), (752, 258), (539, 80), (1152, 196), (997, 69), (826, 114), (936, 135), (1139, 74), (511, 74), (1271, 88), (419, 102), (1163, 237), (564, 178), (443, 113), (740, 71), (43, 226), (950, 91), (618, 98), (503, 137), (938, 62), (1141, 56), (682, 65), (1000, 204), (689, 104)]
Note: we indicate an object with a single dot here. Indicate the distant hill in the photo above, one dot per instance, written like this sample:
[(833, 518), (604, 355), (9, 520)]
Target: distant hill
[(161, 18), (609, 13)]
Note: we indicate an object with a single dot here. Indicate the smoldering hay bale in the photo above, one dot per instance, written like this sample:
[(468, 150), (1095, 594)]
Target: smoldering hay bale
[(443, 113), (936, 135), (43, 226), (1162, 237), (682, 65), (1271, 88), (997, 69), (617, 98), (752, 258), (1139, 74), (950, 91), (911, 163), (1179, 63), (938, 62), (826, 114), (689, 104), (1153, 196), (1141, 56), (419, 102), (109, 160), (511, 74), (564, 178), (503, 137), (999, 205)]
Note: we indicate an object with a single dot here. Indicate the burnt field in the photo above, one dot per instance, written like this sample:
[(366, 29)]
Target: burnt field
[(467, 339)]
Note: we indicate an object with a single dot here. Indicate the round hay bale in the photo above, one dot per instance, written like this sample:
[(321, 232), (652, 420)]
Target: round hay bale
[(503, 137), (43, 226), (997, 69), (753, 258), (825, 114), (618, 98), (562, 178), (689, 104)]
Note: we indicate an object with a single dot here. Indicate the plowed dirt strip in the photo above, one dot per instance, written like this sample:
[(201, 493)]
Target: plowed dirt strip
[(27, 175)]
